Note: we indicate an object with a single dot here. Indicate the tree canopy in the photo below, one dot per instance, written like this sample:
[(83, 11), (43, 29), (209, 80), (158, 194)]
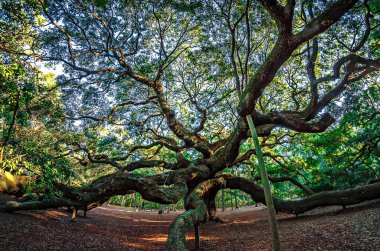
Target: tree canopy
[(151, 97)]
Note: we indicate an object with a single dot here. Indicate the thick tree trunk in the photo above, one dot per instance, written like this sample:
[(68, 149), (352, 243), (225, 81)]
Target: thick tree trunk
[(195, 215), (236, 200), (210, 201)]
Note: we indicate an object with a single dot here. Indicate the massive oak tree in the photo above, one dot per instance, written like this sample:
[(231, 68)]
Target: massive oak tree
[(172, 83)]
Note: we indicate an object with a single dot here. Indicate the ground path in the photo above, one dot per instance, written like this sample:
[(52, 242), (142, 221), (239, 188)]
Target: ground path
[(116, 228)]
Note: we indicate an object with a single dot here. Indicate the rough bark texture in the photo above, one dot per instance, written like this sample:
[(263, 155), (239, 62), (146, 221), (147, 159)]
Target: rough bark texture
[(296, 206), (36, 205), (200, 205), (196, 213)]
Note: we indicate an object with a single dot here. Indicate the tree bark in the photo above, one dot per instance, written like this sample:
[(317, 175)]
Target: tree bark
[(297, 206), (195, 214), (36, 205)]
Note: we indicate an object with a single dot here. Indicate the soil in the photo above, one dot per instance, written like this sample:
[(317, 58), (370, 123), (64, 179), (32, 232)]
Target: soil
[(116, 228)]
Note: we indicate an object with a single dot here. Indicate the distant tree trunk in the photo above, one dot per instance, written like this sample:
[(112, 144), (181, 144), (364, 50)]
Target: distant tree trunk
[(13, 122), (142, 204), (231, 200), (122, 201), (223, 205), (236, 200), (135, 201), (131, 200)]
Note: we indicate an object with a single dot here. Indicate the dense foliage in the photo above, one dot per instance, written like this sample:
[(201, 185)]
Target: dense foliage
[(149, 98)]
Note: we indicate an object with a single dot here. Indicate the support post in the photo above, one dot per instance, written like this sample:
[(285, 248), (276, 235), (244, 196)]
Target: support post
[(267, 192), (197, 238)]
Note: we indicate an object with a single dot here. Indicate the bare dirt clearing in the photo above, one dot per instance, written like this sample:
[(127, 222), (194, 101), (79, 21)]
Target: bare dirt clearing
[(115, 228)]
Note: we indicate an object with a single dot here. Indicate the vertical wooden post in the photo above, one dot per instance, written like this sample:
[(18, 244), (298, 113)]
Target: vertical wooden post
[(197, 238), (267, 192)]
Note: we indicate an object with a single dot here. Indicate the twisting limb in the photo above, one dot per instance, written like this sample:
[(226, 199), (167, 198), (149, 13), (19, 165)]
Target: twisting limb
[(195, 214), (36, 205), (341, 197), (104, 159), (13, 122), (209, 199), (113, 111), (165, 188)]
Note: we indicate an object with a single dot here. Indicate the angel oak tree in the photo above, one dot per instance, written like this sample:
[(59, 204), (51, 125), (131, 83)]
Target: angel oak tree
[(178, 79)]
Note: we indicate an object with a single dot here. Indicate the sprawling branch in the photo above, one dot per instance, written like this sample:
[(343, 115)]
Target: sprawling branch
[(294, 122), (324, 20), (284, 48), (297, 206), (357, 68), (113, 111), (191, 139)]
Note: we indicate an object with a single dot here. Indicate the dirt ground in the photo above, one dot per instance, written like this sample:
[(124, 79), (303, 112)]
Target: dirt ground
[(115, 228)]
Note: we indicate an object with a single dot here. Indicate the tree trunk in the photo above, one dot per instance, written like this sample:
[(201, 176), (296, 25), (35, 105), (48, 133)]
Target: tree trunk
[(223, 205), (231, 200), (196, 214), (236, 200)]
